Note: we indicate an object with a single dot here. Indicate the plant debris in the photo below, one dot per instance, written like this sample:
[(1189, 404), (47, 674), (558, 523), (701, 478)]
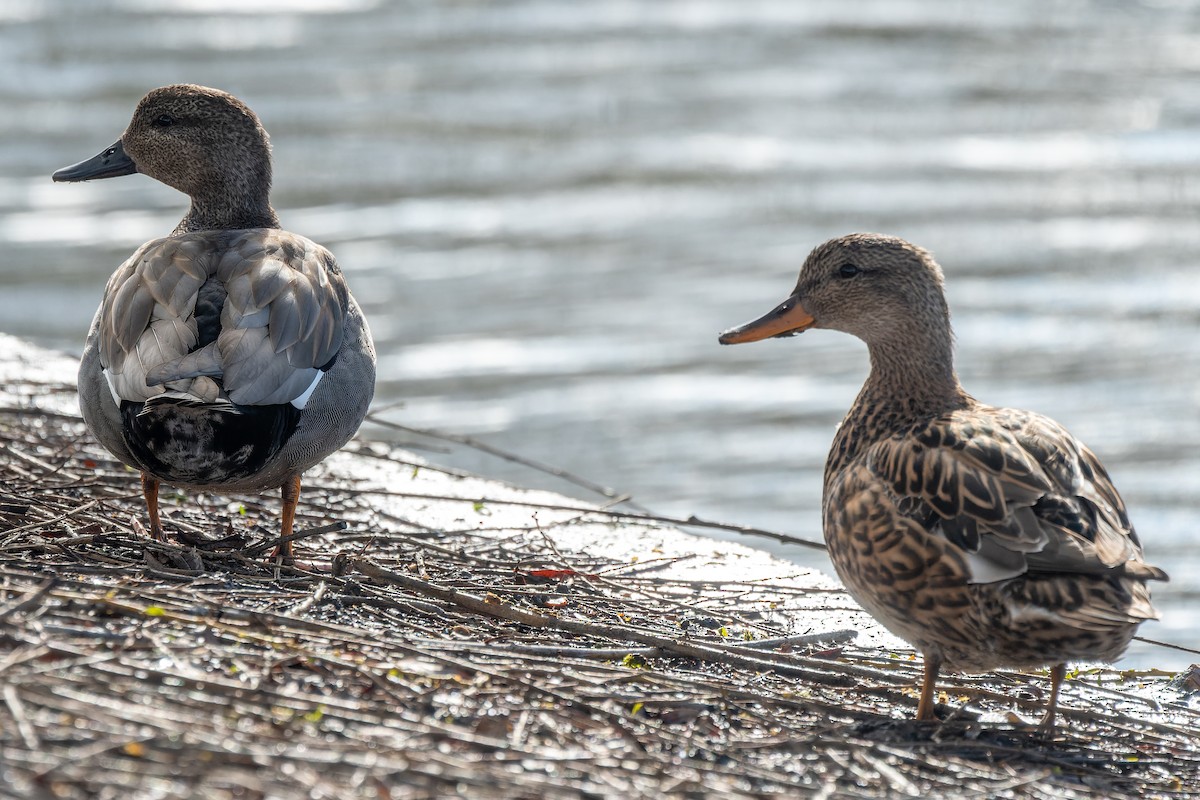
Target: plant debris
[(446, 636)]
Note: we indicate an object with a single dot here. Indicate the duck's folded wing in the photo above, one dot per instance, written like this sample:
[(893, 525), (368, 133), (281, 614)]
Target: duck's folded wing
[(1013, 491), (1086, 517), (147, 315), (282, 324), (257, 313)]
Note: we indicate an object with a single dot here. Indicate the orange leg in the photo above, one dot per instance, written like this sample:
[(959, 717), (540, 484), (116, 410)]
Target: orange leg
[(150, 491), (1057, 673), (933, 664), (291, 495)]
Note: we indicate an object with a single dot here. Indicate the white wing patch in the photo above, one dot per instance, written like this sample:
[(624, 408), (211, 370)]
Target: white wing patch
[(112, 388), (301, 401)]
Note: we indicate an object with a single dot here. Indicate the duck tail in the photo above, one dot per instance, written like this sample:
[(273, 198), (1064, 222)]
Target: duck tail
[(187, 442)]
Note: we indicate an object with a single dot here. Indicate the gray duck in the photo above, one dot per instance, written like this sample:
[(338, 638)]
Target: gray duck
[(986, 537), (229, 355)]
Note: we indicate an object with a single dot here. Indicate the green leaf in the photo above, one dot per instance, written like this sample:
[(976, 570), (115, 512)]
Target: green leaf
[(155, 611)]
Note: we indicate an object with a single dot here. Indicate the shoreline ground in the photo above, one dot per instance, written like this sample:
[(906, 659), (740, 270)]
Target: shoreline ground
[(453, 636)]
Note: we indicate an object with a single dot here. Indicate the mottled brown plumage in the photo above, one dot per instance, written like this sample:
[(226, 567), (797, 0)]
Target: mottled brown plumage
[(986, 537), (229, 355)]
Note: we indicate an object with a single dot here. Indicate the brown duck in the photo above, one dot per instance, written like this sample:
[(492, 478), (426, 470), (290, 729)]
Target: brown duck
[(229, 355), (986, 537)]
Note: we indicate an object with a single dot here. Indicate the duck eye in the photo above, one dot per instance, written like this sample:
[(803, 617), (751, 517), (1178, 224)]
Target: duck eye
[(848, 270), (163, 121)]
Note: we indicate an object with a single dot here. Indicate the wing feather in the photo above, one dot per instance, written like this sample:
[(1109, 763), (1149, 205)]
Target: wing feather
[(1013, 491), (281, 322)]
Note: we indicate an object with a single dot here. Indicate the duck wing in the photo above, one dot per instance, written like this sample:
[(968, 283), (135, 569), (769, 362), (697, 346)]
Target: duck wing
[(1011, 491), (252, 317), (1089, 528)]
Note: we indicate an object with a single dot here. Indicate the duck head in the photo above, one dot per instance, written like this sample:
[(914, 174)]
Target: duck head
[(875, 287), (204, 142)]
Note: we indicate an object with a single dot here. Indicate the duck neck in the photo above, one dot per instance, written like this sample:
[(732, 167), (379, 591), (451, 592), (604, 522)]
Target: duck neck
[(222, 210), (912, 375), (912, 380)]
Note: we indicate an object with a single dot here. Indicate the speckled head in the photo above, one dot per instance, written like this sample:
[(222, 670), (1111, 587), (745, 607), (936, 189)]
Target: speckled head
[(192, 137), (872, 286), (204, 142)]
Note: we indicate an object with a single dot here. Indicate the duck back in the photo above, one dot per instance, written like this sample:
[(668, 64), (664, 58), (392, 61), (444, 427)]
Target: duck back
[(211, 346)]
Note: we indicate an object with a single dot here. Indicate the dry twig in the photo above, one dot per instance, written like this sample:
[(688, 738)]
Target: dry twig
[(443, 657)]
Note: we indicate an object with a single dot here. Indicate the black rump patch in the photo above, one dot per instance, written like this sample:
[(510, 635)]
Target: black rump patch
[(187, 442)]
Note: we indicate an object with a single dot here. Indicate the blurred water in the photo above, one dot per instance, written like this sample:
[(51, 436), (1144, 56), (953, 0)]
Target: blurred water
[(549, 209)]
